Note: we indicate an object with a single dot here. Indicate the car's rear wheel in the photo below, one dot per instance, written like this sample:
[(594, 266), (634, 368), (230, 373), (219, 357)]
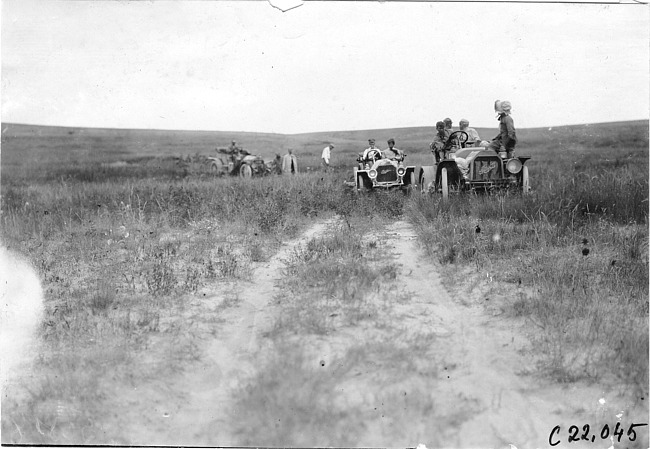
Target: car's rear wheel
[(245, 171), (427, 176), (216, 168), (423, 182), (444, 185), (360, 184), (525, 181), (410, 182)]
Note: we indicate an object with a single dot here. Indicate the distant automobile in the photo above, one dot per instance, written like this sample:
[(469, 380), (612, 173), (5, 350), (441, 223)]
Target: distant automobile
[(240, 163), (468, 168), (378, 172)]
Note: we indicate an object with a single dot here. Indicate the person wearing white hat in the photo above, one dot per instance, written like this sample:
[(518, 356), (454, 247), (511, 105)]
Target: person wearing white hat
[(507, 137)]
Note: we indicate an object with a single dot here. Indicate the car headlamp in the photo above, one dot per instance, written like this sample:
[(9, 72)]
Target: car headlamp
[(401, 171), (514, 166), (372, 173)]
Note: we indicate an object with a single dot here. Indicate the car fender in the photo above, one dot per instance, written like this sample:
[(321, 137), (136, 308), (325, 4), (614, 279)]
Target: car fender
[(428, 171)]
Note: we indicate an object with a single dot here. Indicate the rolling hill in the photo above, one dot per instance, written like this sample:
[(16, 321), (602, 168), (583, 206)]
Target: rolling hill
[(55, 145)]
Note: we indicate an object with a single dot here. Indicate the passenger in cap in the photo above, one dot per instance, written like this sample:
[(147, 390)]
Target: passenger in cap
[(507, 138), (448, 125), (391, 152)]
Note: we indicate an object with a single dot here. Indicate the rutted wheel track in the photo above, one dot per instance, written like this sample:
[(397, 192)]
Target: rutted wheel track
[(195, 407), (480, 396)]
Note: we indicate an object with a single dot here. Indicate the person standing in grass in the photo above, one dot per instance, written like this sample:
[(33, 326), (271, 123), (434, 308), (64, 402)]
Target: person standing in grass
[(290, 162), (325, 156), (507, 137)]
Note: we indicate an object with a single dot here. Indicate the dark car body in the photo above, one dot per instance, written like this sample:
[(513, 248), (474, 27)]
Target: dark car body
[(475, 169), (239, 163)]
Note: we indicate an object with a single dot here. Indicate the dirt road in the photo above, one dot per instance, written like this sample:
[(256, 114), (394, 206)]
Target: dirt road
[(194, 407), (469, 387), (485, 360)]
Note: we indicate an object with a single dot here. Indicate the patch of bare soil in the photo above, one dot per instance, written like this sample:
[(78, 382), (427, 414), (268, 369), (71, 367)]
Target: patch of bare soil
[(485, 368), (193, 407)]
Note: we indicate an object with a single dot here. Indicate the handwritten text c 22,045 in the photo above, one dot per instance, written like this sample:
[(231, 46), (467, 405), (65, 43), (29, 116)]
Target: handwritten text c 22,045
[(575, 434)]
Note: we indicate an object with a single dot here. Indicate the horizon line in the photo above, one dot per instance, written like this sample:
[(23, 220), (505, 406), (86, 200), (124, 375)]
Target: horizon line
[(294, 134)]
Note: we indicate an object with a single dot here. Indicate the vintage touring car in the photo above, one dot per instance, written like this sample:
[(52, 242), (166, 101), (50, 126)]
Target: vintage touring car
[(467, 168), (378, 172), (240, 163)]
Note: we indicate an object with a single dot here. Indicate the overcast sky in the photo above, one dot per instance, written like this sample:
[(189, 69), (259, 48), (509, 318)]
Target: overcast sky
[(246, 66)]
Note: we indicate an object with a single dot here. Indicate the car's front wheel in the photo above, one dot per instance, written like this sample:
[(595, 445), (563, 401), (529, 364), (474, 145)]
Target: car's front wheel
[(427, 178), (216, 168), (444, 185), (361, 184), (525, 181), (409, 183), (245, 171)]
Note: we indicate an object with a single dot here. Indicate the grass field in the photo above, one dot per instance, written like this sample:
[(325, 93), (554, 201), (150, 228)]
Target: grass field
[(124, 227)]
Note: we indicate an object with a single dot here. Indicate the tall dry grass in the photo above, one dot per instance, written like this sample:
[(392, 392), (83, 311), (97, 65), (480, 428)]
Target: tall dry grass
[(578, 244), (121, 254)]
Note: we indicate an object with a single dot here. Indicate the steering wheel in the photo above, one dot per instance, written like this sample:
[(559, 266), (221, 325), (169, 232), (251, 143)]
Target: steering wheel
[(374, 154), (457, 136)]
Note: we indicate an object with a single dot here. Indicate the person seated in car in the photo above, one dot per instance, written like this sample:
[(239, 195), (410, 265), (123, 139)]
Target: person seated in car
[(448, 125), (440, 145), (391, 152), (236, 152), (472, 135), (371, 148), (234, 148)]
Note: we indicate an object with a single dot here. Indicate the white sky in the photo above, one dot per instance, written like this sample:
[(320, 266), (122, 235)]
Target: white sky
[(246, 66)]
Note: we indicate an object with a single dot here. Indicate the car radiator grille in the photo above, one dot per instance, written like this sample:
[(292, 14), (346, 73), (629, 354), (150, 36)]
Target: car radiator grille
[(387, 173), (486, 169)]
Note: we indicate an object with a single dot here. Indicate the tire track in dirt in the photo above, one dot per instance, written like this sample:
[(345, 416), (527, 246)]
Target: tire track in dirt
[(473, 372), (195, 408), (485, 359)]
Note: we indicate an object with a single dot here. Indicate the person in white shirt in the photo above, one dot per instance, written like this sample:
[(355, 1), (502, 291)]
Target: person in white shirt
[(325, 156), (472, 135), (372, 147)]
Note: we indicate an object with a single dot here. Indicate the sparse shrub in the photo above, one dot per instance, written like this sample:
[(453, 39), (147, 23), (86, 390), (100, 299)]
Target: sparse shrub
[(227, 266), (192, 279), (271, 215), (161, 280), (102, 297), (256, 251)]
